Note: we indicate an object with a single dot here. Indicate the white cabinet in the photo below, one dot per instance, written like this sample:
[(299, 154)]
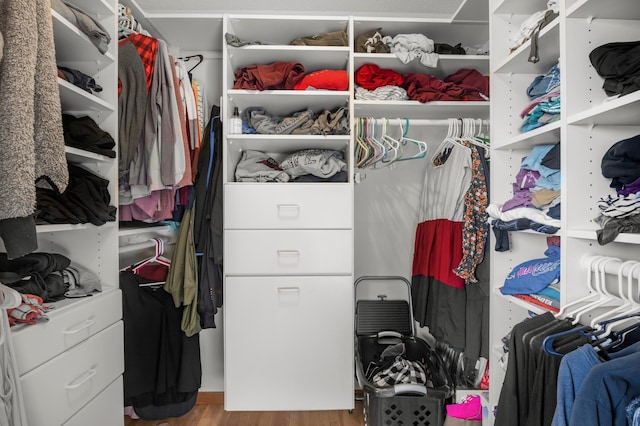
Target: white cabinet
[(288, 247), (589, 125), (288, 343), (70, 367)]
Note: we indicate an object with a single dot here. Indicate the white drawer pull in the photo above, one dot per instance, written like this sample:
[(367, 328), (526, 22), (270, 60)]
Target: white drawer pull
[(288, 211), (82, 380), (288, 252), (86, 324), (288, 289)]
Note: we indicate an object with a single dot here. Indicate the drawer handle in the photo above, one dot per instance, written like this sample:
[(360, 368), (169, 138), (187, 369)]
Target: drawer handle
[(288, 252), (288, 289), (288, 210), (88, 323), (84, 379)]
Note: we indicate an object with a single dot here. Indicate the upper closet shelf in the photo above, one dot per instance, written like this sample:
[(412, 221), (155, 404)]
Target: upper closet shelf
[(284, 102), (96, 9), (624, 110), (548, 51), (447, 64), (74, 98), (312, 57), (415, 109), (178, 29), (587, 234), (518, 7), (549, 133), (610, 9), (72, 45)]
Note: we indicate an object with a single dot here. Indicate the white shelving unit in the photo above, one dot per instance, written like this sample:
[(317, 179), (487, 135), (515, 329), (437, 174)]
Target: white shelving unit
[(590, 123), (71, 366), (289, 246)]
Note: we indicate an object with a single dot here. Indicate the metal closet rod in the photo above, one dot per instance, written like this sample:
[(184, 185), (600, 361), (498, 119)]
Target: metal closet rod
[(430, 122), (613, 265)]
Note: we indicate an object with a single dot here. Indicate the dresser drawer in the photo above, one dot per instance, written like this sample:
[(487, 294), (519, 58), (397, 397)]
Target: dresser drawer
[(288, 252), (103, 410), (288, 206), (288, 343), (56, 390), (36, 344)]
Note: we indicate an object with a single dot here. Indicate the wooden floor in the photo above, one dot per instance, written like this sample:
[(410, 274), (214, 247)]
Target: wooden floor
[(214, 415)]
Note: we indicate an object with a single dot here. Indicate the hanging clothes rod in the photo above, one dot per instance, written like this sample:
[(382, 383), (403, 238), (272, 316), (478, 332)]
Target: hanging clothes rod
[(433, 122)]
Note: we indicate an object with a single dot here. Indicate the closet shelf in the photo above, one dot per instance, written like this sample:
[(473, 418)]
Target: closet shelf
[(72, 45), (75, 155), (624, 110), (313, 58), (549, 133), (287, 143), (519, 7), (447, 64), (284, 102), (610, 9), (64, 227), (75, 99), (519, 302), (415, 109), (283, 29), (587, 234), (98, 9), (548, 51)]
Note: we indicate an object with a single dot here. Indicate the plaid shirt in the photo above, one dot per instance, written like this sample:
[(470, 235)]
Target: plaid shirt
[(148, 50)]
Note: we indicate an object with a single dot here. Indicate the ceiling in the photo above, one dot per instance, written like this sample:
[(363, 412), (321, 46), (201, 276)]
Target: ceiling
[(196, 25)]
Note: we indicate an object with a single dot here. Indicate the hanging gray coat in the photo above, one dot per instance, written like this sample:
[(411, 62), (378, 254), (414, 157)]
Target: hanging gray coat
[(31, 136)]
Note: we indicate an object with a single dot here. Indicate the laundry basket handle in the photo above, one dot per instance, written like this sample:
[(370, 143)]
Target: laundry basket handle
[(409, 388), (406, 282)]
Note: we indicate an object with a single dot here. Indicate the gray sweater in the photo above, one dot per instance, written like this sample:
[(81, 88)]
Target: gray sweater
[(31, 136)]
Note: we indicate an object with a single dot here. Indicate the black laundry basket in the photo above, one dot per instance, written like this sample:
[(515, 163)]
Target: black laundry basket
[(378, 324)]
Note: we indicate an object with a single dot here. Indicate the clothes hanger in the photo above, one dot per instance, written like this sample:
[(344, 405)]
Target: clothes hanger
[(605, 296), (422, 146), (365, 150), (632, 311), (392, 145), (377, 149), (564, 311), (442, 152), (625, 299), (157, 257), (187, 58)]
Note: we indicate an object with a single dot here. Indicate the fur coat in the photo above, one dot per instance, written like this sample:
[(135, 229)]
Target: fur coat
[(31, 136)]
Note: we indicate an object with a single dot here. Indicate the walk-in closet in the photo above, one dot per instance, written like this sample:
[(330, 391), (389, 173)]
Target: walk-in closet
[(425, 211)]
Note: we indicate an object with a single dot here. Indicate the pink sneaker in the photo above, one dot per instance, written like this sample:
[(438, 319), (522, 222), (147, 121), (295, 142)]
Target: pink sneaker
[(469, 409)]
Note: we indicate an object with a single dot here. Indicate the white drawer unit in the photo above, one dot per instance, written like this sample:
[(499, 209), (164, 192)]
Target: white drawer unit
[(288, 252), (58, 389), (65, 329), (288, 206), (288, 343), (103, 410)]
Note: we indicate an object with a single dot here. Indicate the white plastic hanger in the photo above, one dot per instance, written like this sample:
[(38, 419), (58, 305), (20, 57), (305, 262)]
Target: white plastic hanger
[(605, 297), (564, 311), (625, 300)]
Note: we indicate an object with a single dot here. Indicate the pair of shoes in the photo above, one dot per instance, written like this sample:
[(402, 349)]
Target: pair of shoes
[(469, 409)]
